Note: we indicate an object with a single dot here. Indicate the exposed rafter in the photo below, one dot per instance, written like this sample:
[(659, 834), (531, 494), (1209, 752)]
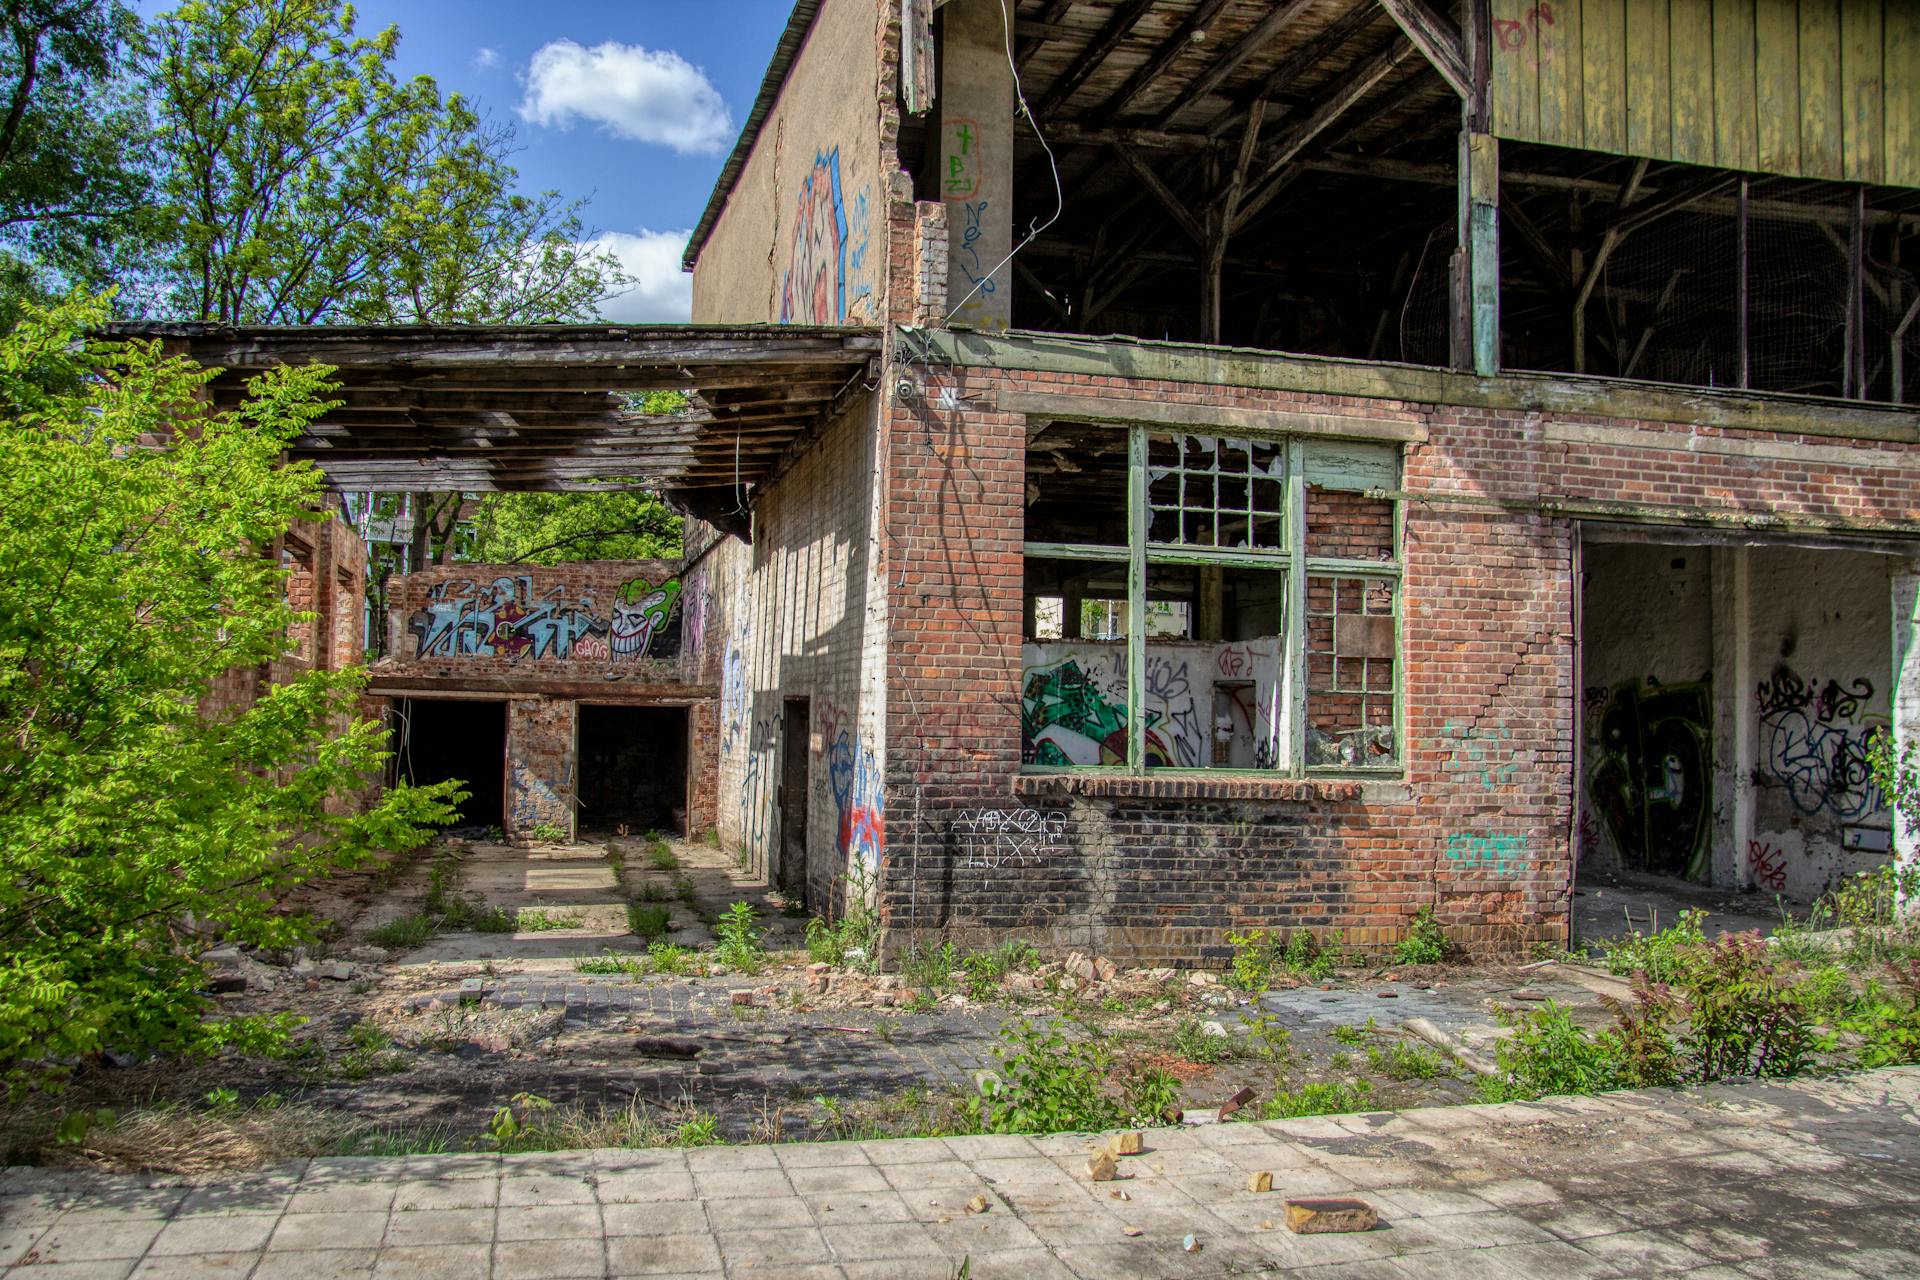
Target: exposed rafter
[(1436, 37), (1284, 15), (1162, 58), (1097, 51)]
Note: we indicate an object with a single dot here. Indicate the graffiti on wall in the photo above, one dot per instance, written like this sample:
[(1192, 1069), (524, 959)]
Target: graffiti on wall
[(733, 692), (1651, 781), (1202, 704), (828, 276), (1767, 866), (1068, 716), (1496, 853), (998, 838), (510, 618), (1813, 742), (858, 797)]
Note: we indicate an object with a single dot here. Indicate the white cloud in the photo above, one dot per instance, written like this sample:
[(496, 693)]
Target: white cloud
[(646, 95), (661, 293), (487, 59)]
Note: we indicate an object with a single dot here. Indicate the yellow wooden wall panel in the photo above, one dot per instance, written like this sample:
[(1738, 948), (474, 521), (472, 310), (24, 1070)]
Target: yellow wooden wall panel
[(1776, 38), (1515, 88), (1736, 138), (1562, 115), (1603, 73), (1825, 89), (1690, 62), (1820, 134), (1862, 98), (1900, 75), (1649, 101)]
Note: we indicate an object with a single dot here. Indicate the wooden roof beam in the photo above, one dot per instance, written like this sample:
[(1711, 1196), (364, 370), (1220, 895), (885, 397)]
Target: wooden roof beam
[(1347, 92), (1097, 51), (1276, 21), (1437, 38), (1157, 63)]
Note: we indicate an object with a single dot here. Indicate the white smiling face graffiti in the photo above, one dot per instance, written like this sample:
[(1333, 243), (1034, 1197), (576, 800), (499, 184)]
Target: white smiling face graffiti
[(638, 612)]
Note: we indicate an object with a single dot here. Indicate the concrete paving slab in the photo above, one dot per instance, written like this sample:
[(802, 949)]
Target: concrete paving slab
[(1625, 1185)]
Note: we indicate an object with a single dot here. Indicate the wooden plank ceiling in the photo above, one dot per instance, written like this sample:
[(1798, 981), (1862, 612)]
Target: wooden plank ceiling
[(547, 407)]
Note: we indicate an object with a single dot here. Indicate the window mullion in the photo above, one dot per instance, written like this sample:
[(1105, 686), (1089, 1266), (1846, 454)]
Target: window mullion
[(1136, 598), (1296, 620)]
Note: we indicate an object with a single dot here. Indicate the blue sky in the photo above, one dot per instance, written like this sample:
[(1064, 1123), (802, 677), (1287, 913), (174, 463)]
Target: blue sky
[(632, 104)]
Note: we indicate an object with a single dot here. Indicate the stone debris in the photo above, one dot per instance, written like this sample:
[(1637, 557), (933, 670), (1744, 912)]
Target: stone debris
[(1131, 1231), (1102, 1167), (979, 1204), (1125, 1144), (1259, 1181), (1201, 978), (1330, 1213), (741, 999)]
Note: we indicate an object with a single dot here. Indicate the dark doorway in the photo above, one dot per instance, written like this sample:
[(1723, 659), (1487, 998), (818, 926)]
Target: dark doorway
[(791, 874), (633, 769), (441, 738)]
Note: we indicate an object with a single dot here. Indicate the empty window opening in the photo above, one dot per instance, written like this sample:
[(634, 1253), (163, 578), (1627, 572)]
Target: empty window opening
[(436, 739), (633, 769)]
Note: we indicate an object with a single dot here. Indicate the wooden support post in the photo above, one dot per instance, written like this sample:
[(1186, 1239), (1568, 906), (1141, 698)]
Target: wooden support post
[(1741, 303), (1853, 371), (1475, 274)]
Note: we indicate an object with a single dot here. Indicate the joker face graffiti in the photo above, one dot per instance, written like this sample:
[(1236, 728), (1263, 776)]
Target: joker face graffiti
[(639, 611)]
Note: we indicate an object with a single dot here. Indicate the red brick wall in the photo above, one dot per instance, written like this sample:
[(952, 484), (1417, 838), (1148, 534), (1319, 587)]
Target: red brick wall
[(1477, 827)]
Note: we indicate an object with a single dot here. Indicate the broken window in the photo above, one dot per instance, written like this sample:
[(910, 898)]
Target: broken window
[(1205, 602)]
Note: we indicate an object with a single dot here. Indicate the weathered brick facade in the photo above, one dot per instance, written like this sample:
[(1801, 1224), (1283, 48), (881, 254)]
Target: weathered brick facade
[(886, 586), (548, 641)]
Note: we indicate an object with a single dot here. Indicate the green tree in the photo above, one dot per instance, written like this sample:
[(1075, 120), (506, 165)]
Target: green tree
[(134, 812), (71, 123), (559, 528), (305, 184)]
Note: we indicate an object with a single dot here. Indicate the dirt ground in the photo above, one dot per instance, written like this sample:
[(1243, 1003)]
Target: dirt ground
[(418, 1045)]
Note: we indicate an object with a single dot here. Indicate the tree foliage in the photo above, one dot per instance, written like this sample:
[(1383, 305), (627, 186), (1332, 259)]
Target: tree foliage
[(71, 121), (304, 183), (559, 528), (131, 809)]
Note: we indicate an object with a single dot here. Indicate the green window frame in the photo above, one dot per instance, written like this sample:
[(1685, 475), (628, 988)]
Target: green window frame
[(1341, 619)]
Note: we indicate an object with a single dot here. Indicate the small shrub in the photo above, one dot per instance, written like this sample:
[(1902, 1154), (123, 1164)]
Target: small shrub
[(1355, 1036), (1425, 943), (404, 932), (471, 915), (1886, 1023), (1148, 1094), (1744, 1016), (1308, 960), (1661, 955), (685, 890), (654, 891), (701, 1130), (1549, 1053), (1406, 1062), (1192, 1041), (512, 1124), (1046, 1084), (1254, 960), (1267, 1039), (852, 941), (981, 971), (929, 968), (662, 856), (647, 921), (548, 833), (740, 932), (1321, 1098), (668, 959)]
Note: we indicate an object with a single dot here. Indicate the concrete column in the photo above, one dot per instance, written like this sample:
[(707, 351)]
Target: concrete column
[(1734, 731), (976, 161), (1906, 709)]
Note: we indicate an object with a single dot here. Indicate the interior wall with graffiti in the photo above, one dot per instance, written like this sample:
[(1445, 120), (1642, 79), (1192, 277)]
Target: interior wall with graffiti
[(1816, 651), (829, 276), (601, 612), (1205, 704)]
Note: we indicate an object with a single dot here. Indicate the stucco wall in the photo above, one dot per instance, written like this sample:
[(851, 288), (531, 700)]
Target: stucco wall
[(799, 239)]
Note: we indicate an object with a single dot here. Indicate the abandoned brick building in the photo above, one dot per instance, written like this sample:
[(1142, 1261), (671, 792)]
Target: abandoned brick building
[(1164, 467)]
